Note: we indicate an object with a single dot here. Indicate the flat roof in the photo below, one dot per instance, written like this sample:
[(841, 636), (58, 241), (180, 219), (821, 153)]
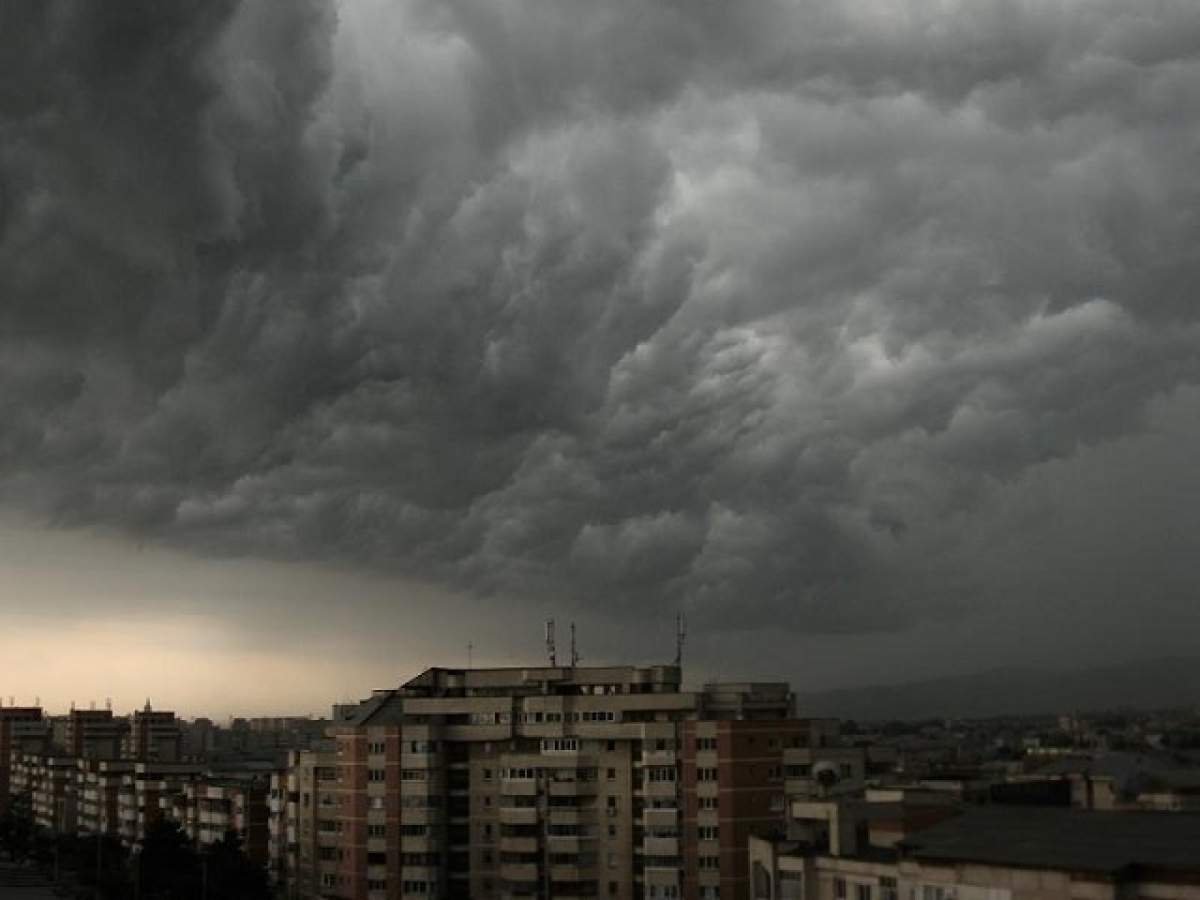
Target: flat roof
[(1063, 839)]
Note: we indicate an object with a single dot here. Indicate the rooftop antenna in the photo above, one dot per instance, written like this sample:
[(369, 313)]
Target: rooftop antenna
[(550, 643), (680, 634), (108, 703), (574, 652), (470, 652)]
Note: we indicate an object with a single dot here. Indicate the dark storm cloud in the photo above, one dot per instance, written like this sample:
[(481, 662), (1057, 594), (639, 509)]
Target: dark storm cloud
[(774, 312)]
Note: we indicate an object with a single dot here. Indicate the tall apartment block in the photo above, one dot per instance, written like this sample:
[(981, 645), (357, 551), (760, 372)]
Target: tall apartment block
[(549, 782), (94, 733), (302, 798), (21, 728), (734, 784), (153, 736)]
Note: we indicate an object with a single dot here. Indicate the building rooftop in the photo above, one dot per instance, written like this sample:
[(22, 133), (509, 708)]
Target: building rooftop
[(1063, 839)]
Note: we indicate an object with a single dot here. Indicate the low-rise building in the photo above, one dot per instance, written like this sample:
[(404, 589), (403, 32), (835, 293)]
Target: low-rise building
[(986, 853)]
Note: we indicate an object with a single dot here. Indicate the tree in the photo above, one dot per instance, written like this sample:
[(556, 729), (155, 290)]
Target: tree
[(232, 875), (17, 826), (167, 865)]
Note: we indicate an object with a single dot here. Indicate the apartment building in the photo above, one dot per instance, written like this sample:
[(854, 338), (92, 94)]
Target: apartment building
[(734, 783), (210, 808), (302, 800), (98, 785), (986, 853), (94, 733), (21, 728), (553, 782), (51, 781), (142, 789), (153, 735)]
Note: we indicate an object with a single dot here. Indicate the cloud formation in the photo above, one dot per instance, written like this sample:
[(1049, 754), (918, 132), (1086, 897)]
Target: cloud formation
[(810, 314)]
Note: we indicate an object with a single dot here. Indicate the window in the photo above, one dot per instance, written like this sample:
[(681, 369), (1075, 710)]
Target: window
[(888, 889), (709, 862), (377, 831), (710, 893), (706, 743), (707, 832), (376, 884), (376, 775), (933, 892), (560, 745), (377, 747), (839, 888), (487, 774), (707, 802), (706, 774), (862, 892), (660, 773), (612, 774)]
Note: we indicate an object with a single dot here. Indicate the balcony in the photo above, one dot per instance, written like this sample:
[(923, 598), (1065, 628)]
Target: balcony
[(420, 760), (661, 846), (572, 788), (419, 844), (518, 815), (519, 787), (659, 758), (519, 872), (518, 845), (568, 815), (659, 789), (660, 818)]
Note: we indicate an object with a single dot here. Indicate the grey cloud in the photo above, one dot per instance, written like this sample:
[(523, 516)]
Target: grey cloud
[(705, 306)]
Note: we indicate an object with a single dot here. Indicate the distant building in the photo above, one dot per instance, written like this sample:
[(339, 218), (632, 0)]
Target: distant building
[(154, 735), (94, 733), (990, 853)]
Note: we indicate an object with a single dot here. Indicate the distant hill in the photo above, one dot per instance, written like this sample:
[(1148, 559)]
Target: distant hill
[(1145, 684)]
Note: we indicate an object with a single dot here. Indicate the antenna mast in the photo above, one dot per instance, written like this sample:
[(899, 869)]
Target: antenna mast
[(550, 643), (680, 634), (574, 652)]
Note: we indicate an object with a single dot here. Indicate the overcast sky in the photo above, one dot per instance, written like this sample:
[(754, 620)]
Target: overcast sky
[(335, 335)]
